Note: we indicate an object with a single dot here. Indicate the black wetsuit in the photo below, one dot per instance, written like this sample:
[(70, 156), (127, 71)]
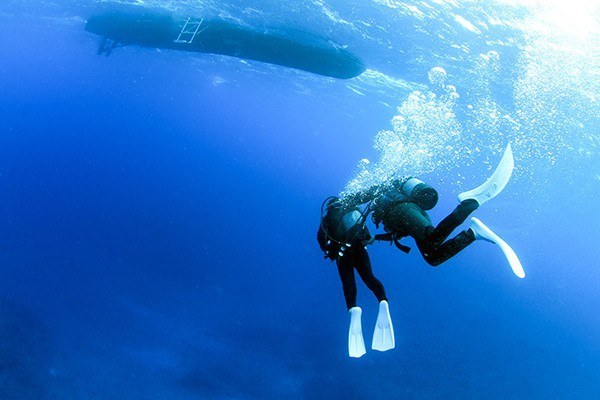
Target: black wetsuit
[(333, 238), (358, 258), (408, 219), (405, 218)]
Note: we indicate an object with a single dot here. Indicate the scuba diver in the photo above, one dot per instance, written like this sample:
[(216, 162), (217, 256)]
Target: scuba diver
[(343, 237), (401, 205)]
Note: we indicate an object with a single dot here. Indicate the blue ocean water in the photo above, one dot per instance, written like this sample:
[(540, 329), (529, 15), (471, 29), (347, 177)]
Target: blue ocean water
[(158, 209)]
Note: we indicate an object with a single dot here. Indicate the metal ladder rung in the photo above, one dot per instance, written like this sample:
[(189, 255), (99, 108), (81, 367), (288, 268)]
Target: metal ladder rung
[(189, 31)]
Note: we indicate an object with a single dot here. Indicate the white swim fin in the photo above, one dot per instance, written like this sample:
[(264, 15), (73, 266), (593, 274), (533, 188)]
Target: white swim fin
[(496, 183), (356, 343), (383, 336), (482, 232)]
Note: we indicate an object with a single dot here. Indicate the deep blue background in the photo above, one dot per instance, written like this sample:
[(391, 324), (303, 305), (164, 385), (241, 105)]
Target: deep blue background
[(158, 214)]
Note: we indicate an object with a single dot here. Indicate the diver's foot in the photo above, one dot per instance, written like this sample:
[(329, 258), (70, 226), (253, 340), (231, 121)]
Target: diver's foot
[(356, 343), (383, 336), (496, 183), (482, 232)]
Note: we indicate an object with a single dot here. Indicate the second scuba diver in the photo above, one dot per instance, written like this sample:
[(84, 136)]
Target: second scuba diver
[(401, 205), (343, 237)]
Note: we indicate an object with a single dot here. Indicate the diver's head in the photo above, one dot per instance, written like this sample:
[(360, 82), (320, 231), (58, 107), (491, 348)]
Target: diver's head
[(332, 202), (331, 206)]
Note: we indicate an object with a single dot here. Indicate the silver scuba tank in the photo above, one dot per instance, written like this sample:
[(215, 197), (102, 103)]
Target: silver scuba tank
[(419, 192), (350, 219)]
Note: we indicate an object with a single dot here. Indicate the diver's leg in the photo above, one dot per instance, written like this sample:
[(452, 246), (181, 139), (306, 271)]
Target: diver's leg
[(411, 220), (435, 253), (363, 266), (452, 221), (346, 271), (383, 335), (356, 342)]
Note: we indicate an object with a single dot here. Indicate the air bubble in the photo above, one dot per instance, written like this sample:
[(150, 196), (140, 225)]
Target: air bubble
[(364, 164), (493, 55), (437, 76)]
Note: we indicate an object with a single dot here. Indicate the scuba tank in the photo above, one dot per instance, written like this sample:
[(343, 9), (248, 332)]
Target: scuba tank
[(341, 228), (418, 192), (350, 219), (404, 190)]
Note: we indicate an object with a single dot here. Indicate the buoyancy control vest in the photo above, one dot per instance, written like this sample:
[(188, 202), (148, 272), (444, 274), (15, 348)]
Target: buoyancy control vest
[(404, 190), (341, 228)]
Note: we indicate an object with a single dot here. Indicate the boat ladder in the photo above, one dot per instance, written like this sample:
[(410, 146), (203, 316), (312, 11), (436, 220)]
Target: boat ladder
[(189, 31)]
